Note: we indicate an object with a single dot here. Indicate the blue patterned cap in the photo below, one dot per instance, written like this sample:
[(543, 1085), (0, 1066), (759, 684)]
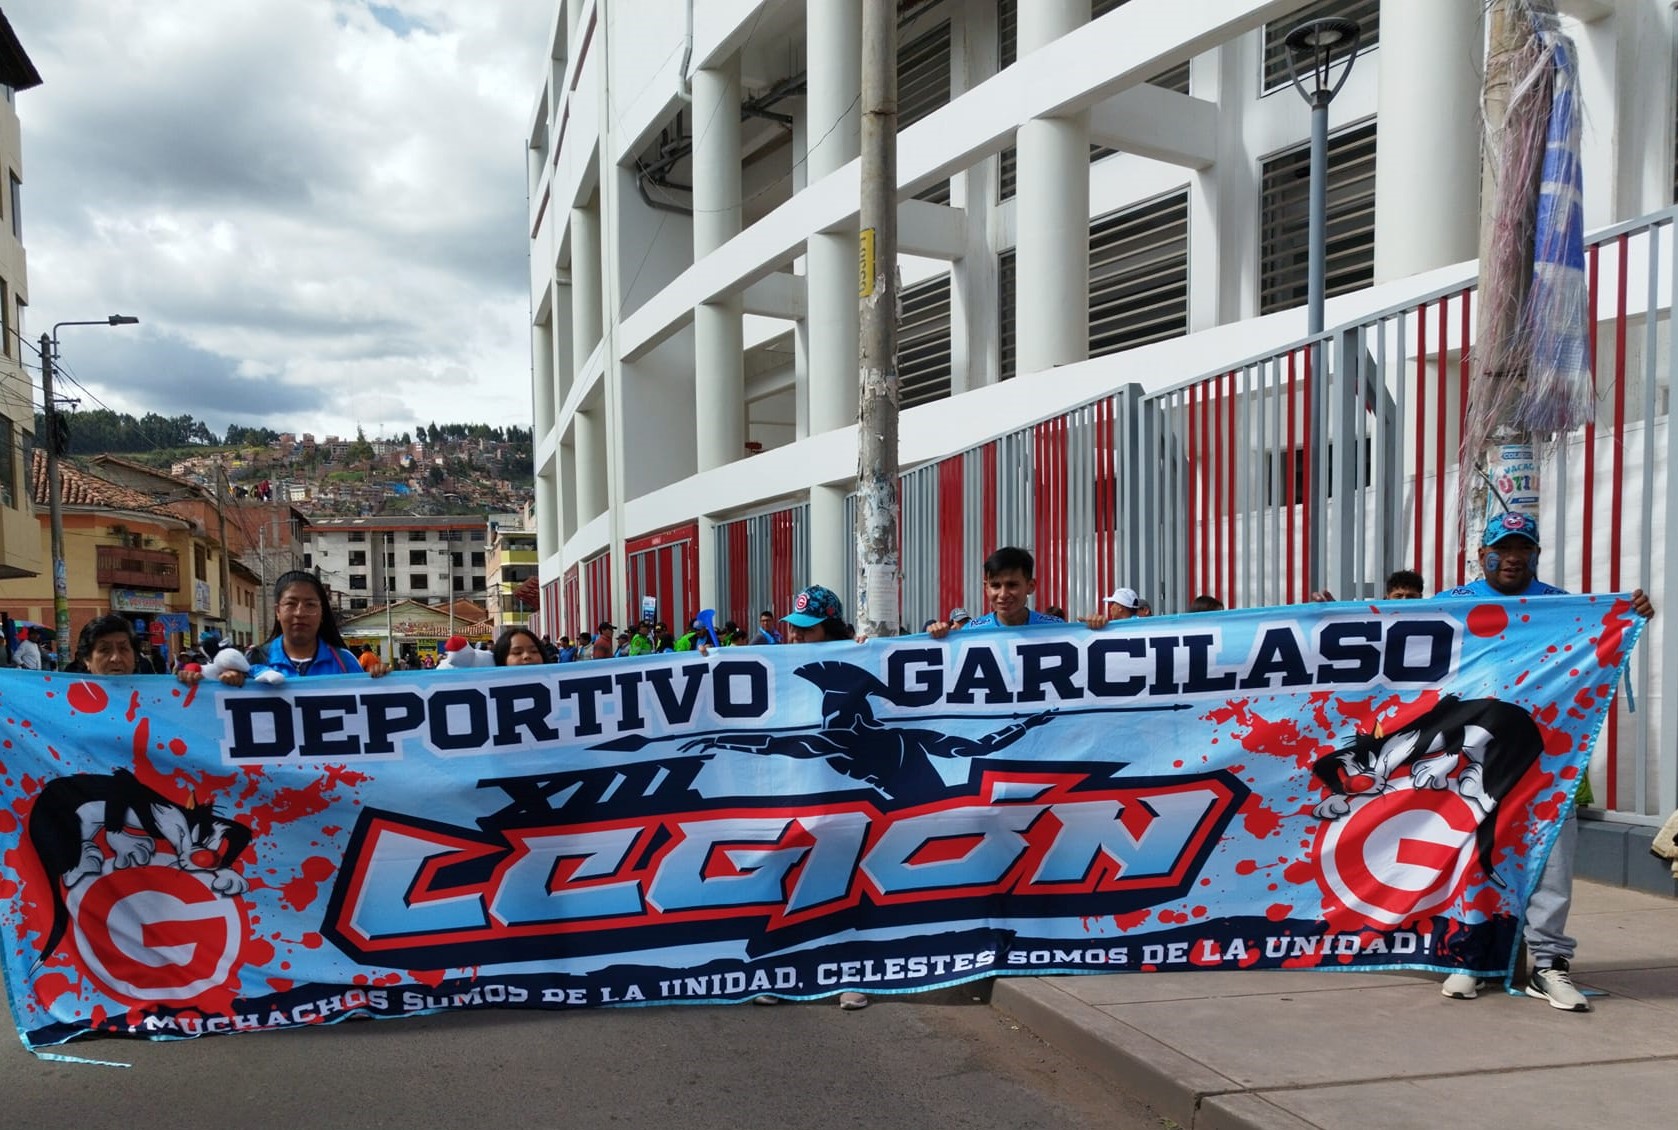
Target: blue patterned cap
[(813, 606), (1511, 526)]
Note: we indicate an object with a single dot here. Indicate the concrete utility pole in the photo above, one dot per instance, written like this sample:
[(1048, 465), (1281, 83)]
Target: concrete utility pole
[(877, 502), (55, 494), (55, 505), (1505, 267)]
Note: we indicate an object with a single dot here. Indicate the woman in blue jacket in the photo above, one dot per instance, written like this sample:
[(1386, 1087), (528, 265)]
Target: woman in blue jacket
[(304, 640)]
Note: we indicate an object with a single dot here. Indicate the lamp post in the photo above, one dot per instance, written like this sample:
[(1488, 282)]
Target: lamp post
[(55, 502), (1314, 50), (1318, 47)]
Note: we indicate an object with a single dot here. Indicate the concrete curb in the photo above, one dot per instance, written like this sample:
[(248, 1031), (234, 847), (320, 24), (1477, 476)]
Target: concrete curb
[(1174, 1085)]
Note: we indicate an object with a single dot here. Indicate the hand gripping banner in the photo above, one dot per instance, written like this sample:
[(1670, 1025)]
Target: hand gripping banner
[(1347, 786)]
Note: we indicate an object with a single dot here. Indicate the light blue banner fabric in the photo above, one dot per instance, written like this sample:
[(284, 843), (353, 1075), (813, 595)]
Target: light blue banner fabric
[(1345, 786)]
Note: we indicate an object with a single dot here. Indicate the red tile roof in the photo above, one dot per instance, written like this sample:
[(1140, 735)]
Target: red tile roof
[(82, 488)]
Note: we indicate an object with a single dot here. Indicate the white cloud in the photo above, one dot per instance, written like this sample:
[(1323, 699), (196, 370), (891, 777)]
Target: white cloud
[(320, 203)]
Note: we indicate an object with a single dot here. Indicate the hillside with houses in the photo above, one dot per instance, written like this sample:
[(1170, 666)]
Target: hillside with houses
[(435, 470)]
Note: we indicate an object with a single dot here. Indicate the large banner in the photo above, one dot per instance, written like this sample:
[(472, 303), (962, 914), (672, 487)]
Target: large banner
[(1348, 786)]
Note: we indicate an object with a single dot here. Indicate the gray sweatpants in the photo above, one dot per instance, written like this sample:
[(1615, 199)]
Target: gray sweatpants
[(1546, 924)]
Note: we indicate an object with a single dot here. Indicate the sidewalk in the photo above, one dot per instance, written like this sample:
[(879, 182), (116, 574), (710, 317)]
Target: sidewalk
[(1287, 1051)]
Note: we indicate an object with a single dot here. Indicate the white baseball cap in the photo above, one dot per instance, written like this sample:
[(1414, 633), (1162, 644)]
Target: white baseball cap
[(1125, 597)]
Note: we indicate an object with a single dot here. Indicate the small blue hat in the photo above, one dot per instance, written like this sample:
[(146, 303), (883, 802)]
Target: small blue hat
[(813, 606), (1511, 526)]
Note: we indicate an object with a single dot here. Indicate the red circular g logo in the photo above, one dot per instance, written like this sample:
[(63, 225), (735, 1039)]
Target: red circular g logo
[(154, 934), (1399, 855)]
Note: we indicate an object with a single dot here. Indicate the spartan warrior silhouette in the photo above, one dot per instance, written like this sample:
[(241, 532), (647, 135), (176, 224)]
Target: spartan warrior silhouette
[(897, 760)]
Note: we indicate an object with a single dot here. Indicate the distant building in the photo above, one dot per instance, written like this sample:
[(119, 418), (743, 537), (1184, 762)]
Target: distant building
[(20, 547), (370, 561), (512, 561), (125, 554)]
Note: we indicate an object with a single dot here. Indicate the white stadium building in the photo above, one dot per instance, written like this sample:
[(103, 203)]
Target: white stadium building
[(1103, 348)]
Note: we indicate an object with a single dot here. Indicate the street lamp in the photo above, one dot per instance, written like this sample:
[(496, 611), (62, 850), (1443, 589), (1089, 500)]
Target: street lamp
[(55, 503), (1316, 48)]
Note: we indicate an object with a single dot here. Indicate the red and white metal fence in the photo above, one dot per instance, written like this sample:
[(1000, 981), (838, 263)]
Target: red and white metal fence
[(1326, 463)]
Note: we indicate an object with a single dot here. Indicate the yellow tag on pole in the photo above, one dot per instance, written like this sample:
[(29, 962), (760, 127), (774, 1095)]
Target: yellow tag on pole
[(865, 263)]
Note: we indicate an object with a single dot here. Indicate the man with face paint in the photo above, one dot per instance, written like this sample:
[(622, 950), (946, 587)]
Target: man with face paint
[(1509, 552)]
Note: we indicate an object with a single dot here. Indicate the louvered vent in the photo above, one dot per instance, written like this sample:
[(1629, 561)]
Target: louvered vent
[(923, 85), (1284, 252), (1139, 275), (923, 343)]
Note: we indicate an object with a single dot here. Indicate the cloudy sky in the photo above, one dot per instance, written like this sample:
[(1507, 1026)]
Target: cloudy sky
[(315, 207)]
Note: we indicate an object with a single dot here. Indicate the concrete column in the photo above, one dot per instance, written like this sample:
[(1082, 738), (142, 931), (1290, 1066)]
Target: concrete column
[(975, 353), (1052, 210), (565, 493), (718, 340), (591, 466), (1427, 136), (547, 513), (830, 541), (542, 377), (706, 551), (833, 125), (559, 359), (586, 283)]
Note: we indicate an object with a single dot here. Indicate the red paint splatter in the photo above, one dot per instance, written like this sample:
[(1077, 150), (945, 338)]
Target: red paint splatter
[(1272, 739), (1300, 872), (1278, 911), (1615, 624), (1259, 821), (177, 747), (1132, 920), (1487, 620), (133, 706), (280, 984), (301, 891), (431, 977), (1246, 866), (311, 941), (88, 698), (50, 986), (1549, 810)]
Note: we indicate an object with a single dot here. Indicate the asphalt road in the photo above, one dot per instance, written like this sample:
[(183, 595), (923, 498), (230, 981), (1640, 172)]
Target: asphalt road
[(935, 1060)]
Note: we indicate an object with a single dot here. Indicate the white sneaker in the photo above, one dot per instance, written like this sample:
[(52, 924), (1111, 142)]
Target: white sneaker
[(1554, 983), (850, 1002), (766, 999), (1462, 986)]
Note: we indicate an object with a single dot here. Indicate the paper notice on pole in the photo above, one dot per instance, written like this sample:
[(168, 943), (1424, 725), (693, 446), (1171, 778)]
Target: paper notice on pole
[(880, 586), (865, 263)]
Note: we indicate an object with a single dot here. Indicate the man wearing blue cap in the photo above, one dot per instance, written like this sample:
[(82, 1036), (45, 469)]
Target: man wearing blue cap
[(1509, 552)]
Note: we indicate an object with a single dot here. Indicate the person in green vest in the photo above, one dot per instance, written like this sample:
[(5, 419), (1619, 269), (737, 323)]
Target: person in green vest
[(641, 639)]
